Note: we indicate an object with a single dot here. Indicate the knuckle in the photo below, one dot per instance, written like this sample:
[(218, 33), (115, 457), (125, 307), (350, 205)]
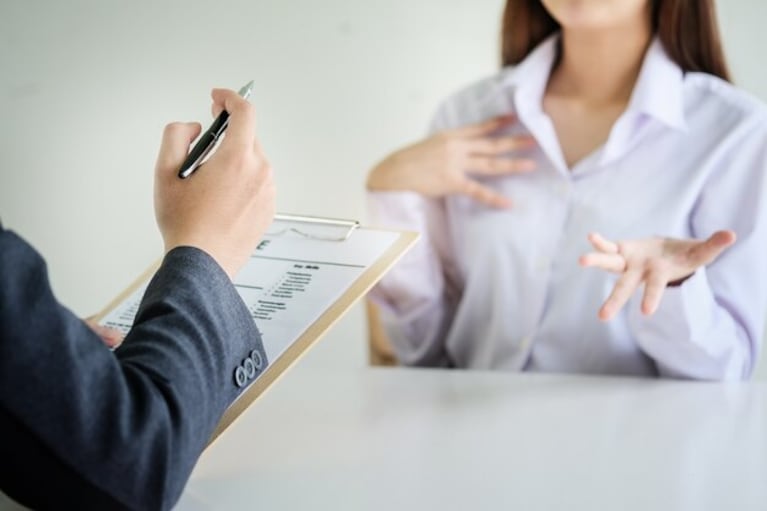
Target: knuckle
[(172, 128)]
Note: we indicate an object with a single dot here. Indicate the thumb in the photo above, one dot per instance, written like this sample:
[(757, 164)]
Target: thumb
[(176, 139), (706, 251)]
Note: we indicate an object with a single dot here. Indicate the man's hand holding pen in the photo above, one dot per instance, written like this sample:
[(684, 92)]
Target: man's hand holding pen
[(227, 205)]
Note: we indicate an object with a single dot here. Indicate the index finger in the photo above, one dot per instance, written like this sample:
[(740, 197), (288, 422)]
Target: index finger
[(624, 288), (242, 117)]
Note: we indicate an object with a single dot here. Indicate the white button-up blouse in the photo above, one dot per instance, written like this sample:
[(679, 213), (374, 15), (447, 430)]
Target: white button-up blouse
[(502, 289)]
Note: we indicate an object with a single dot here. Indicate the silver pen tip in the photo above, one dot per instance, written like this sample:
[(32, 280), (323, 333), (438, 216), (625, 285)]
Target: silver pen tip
[(246, 89)]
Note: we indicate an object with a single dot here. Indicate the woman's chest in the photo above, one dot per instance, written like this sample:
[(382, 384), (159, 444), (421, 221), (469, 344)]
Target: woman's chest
[(552, 214), (580, 130)]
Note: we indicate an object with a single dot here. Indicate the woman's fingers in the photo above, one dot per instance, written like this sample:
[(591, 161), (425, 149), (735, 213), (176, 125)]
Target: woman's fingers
[(499, 145), (624, 288), (614, 263), (602, 244), (655, 285), (705, 252), (492, 166), (483, 194), (656, 262)]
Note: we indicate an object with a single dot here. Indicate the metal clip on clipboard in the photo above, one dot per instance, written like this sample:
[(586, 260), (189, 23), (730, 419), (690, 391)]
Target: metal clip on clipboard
[(313, 227)]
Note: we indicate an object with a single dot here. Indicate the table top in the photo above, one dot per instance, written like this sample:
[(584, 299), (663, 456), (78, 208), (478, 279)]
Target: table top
[(438, 439)]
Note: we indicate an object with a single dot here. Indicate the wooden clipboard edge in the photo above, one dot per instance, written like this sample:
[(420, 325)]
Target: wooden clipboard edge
[(317, 330)]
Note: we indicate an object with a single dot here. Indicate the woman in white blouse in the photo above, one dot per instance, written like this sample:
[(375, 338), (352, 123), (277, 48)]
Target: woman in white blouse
[(597, 206)]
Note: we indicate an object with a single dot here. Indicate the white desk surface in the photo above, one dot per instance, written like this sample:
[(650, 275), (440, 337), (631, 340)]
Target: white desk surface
[(388, 439)]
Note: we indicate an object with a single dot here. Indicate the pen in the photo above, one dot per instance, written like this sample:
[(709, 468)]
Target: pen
[(207, 140)]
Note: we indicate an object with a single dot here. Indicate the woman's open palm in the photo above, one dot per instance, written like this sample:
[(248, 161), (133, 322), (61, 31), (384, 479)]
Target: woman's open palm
[(655, 262)]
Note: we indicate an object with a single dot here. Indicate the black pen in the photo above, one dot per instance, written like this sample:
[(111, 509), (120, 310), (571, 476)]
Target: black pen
[(207, 140)]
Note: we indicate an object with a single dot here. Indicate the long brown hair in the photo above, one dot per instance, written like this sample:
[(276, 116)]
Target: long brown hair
[(687, 29)]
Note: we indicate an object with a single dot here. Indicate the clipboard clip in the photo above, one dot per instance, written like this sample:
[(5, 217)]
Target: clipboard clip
[(312, 227)]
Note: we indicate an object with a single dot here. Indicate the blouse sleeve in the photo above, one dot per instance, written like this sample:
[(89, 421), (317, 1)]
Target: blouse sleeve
[(416, 298), (711, 326)]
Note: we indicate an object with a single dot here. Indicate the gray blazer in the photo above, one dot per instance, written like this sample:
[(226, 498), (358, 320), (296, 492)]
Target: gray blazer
[(82, 427)]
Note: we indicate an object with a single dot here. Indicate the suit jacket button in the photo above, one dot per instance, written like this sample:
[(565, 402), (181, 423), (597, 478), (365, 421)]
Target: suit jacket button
[(258, 360), (240, 377), (250, 368)]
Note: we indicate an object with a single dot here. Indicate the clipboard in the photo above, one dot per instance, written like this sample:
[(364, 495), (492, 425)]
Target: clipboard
[(330, 243)]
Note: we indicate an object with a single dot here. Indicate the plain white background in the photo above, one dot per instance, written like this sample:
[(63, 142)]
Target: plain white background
[(86, 87)]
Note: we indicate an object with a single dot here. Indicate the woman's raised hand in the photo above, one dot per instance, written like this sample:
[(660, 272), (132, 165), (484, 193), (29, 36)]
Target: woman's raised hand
[(444, 163)]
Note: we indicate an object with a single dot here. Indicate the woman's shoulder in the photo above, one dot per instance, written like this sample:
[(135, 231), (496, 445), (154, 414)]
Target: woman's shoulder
[(723, 99), (478, 100), (484, 88)]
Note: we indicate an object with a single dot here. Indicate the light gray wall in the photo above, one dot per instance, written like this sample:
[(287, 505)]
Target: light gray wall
[(87, 85)]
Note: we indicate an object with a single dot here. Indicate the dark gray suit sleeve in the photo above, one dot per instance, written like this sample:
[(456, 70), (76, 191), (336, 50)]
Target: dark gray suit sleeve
[(125, 427)]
